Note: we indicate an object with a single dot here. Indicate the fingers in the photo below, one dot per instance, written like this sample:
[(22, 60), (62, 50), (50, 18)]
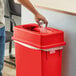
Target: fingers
[(42, 21), (38, 21), (45, 22)]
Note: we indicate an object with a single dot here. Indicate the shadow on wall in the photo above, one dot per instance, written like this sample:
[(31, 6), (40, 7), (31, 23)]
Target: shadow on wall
[(65, 56)]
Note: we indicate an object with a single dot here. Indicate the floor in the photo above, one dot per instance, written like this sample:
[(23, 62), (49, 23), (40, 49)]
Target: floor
[(9, 70)]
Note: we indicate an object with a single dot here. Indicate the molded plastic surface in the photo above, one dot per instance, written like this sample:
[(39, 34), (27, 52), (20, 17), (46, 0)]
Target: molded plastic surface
[(32, 62), (31, 35)]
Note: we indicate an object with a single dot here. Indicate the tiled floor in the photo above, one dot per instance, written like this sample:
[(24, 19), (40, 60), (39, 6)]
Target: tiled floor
[(9, 70)]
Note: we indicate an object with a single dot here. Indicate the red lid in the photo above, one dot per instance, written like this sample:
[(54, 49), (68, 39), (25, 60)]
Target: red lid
[(30, 34)]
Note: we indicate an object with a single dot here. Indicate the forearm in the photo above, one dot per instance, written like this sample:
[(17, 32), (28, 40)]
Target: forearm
[(38, 16), (29, 6)]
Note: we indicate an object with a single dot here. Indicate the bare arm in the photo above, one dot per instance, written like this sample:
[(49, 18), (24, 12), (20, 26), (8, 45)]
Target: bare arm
[(30, 7)]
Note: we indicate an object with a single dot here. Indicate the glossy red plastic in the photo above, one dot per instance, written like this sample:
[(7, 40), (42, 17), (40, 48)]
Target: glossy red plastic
[(31, 35), (31, 62)]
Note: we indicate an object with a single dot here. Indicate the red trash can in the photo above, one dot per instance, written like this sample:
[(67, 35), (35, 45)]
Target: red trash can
[(38, 54)]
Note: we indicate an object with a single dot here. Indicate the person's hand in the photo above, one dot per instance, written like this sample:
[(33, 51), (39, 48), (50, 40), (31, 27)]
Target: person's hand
[(39, 18)]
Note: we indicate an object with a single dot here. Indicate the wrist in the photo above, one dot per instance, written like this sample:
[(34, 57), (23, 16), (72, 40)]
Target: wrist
[(36, 13)]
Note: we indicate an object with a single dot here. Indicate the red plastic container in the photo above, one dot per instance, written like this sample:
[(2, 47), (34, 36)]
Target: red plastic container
[(38, 54)]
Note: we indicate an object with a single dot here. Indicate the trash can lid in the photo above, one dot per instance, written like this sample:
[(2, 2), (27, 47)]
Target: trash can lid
[(30, 34)]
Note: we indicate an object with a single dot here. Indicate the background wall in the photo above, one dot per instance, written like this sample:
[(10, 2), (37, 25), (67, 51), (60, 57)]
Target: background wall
[(64, 22)]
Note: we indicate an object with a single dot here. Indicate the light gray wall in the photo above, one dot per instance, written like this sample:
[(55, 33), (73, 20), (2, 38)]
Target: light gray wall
[(64, 22)]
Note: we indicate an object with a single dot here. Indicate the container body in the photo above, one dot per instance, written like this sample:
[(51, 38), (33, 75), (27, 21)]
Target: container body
[(30, 62), (51, 63)]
